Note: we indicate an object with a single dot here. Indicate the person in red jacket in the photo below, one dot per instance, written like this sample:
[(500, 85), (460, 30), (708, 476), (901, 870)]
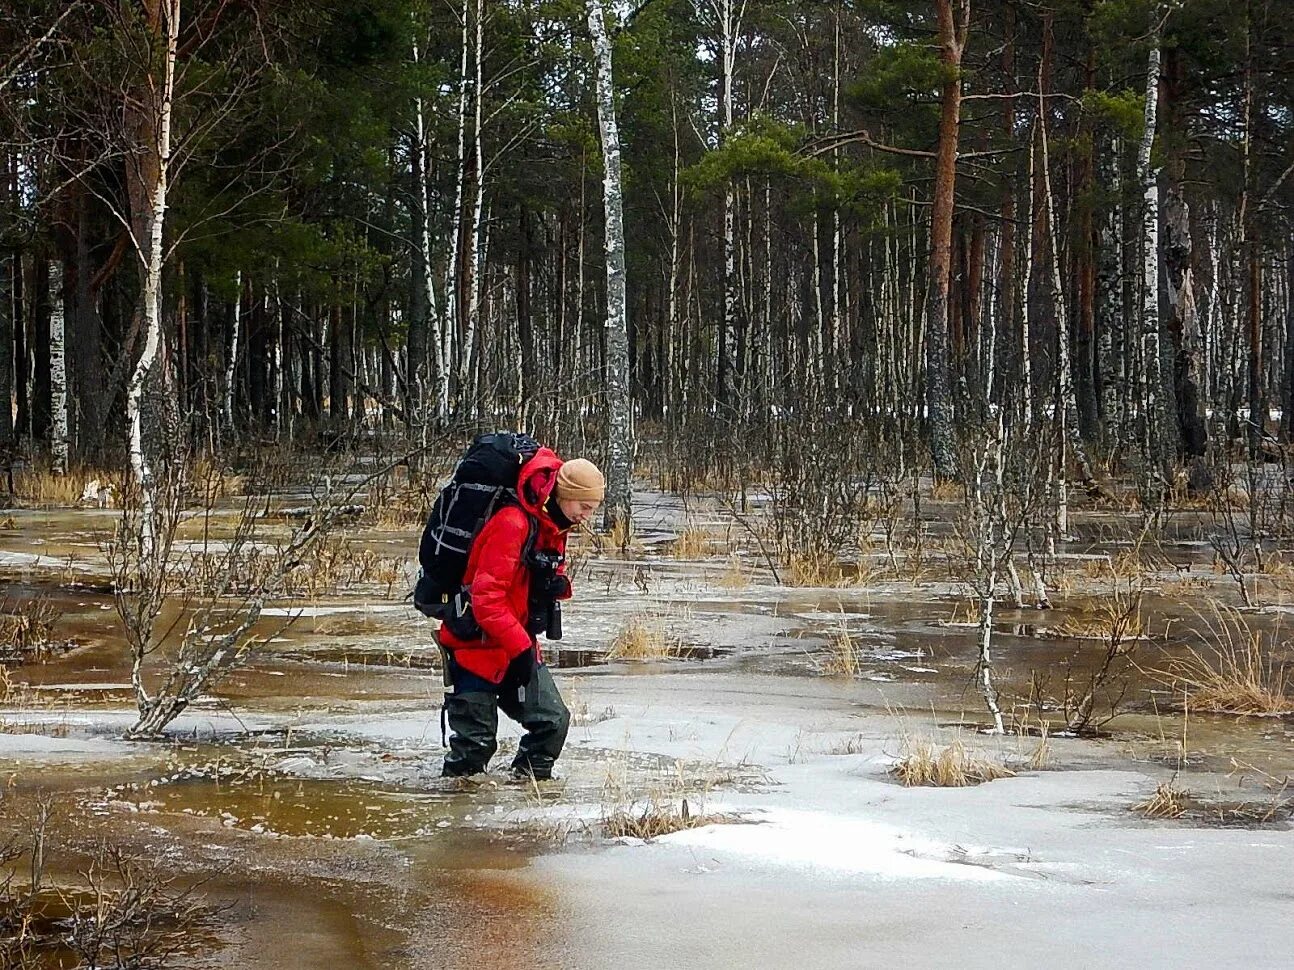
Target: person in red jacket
[(515, 575)]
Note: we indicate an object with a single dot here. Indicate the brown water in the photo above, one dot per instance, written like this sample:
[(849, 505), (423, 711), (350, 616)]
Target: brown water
[(387, 866)]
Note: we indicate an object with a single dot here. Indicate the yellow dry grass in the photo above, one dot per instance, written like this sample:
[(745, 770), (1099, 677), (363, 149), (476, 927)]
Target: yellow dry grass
[(842, 656), (671, 802), (1111, 621), (691, 543), (813, 569), (44, 487), (19, 698), (1236, 674), (735, 575), (924, 763), (26, 629), (644, 637), (947, 491), (1167, 801)]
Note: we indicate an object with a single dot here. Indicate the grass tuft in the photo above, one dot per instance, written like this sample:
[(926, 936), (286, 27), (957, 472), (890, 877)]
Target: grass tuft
[(1168, 801), (842, 657), (645, 637), (26, 631), (953, 766), (1237, 675)]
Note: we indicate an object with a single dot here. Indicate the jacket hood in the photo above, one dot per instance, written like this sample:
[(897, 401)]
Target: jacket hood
[(536, 480)]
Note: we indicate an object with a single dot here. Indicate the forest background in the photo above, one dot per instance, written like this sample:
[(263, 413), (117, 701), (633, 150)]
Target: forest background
[(854, 233)]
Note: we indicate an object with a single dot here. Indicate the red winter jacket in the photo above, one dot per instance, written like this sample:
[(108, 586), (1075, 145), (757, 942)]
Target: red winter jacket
[(500, 581)]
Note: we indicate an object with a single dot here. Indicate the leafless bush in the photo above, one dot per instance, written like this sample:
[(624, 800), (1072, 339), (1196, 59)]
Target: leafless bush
[(218, 602), (1100, 697), (123, 913), (834, 478), (1002, 474)]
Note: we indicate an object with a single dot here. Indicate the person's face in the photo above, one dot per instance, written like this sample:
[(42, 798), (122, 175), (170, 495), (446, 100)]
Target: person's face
[(577, 510)]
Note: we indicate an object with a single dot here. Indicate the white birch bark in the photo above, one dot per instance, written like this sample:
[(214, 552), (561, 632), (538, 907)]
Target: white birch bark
[(231, 362), (279, 391), (1108, 316), (670, 363), (58, 444), (1026, 365), (1067, 405), (426, 334), (153, 255), (729, 23), (451, 335), (1151, 373), (619, 404), (472, 258)]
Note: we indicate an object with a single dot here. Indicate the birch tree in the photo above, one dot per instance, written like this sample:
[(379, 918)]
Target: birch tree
[(1152, 395), (8, 264), (619, 404), (58, 438)]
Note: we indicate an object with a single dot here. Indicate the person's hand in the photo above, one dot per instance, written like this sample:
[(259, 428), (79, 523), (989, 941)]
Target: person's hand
[(554, 587)]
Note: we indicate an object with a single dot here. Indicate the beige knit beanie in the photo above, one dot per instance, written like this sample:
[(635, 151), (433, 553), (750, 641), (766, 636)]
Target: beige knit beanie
[(580, 481)]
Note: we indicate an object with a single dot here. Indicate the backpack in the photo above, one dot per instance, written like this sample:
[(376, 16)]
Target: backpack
[(484, 481)]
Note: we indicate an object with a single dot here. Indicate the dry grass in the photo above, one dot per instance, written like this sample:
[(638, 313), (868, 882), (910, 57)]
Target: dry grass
[(1168, 801), (335, 565), (968, 613), (218, 480), (842, 657), (26, 631), (691, 543), (406, 509), (43, 487), (19, 698), (1236, 675), (672, 802), (1110, 622), (645, 637), (853, 745), (654, 818), (735, 575), (953, 766), (947, 491), (813, 569)]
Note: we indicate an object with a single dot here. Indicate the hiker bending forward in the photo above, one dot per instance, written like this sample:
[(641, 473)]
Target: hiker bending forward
[(516, 575)]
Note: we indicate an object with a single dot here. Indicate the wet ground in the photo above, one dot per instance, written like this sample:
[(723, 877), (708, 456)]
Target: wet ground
[(304, 792)]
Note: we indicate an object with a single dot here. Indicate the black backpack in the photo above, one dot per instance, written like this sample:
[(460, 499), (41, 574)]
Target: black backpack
[(484, 481)]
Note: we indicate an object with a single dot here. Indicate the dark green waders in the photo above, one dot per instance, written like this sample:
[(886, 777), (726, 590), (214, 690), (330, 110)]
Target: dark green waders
[(528, 695)]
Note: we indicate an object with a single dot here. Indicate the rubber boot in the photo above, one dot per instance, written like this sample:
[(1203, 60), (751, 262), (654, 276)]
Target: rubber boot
[(473, 723), (538, 707)]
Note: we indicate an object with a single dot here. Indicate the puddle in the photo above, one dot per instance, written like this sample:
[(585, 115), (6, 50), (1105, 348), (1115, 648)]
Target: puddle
[(272, 803), (569, 658)]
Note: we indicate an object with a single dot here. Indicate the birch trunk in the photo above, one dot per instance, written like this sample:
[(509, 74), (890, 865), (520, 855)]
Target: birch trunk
[(424, 338), (619, 404), (727, 378), (148, 201), (231, 362), (9, 267), (58, 428), (1108, 316), (1151, 366), (1067, 405), (472, 258), (450, 345)]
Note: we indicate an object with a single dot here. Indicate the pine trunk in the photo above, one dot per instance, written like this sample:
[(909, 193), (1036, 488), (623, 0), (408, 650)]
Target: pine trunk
[(952, 40)]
